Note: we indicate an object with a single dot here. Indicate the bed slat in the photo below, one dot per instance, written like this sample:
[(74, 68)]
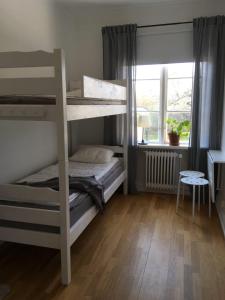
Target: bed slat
[(22, 193), (78, 112), (27, 112), (26, 59), (30, 237), (30, 215), (27, 86)]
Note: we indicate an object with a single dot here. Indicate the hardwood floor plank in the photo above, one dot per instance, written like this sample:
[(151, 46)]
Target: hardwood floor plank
[(154, 284), (188, 283), (139, 249)]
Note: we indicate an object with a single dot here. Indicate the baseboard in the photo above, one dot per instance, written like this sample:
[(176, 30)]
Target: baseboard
[(141, 188)]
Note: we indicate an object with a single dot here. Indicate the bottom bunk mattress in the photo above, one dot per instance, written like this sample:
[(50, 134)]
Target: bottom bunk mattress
[(105, 174), (80, 205), (79, 202)]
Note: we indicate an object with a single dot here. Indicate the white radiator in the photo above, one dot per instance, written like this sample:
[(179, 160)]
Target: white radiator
[(162, 170)]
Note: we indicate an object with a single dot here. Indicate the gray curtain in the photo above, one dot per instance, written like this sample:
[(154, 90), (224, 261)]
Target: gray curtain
[(119, 62), (208, 89)]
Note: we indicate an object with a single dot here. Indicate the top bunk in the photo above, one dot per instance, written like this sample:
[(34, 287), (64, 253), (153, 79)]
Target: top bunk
[(44, 98)]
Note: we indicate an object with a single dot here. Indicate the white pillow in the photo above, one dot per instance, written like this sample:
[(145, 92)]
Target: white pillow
[(95, 155)]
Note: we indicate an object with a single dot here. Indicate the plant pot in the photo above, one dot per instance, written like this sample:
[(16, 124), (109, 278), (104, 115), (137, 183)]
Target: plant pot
[(174, 139)]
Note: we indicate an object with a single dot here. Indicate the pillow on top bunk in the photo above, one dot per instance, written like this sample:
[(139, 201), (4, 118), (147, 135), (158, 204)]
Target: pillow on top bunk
[(95, 155)]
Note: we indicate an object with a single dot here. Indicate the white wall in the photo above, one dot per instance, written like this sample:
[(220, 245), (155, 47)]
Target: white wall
[(81, 26), (26, 25), (81, 35), (45, 24)]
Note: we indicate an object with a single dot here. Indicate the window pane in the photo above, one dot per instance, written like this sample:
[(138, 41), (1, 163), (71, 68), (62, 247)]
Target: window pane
[(179, 94), (180, 70), (148, 126), (148, 72), (179, 116), (148, 94)]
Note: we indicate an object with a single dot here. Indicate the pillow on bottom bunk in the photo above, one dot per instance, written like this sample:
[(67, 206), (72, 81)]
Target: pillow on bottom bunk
[(95, 155)]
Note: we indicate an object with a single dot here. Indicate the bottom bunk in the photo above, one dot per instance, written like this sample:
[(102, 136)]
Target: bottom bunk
[(82, 208), (32, 211)]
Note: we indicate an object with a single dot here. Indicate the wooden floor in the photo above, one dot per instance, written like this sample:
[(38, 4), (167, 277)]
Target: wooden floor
[(138, 249)]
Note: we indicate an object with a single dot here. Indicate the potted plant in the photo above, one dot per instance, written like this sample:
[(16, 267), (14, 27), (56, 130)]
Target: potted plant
[(177, 129)]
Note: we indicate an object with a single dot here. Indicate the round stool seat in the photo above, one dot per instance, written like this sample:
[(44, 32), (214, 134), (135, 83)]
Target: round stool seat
[(190, 173), (194, 181)]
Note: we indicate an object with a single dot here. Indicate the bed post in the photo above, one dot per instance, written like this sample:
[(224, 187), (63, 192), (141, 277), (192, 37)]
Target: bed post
[(62, 137), (125, 143)]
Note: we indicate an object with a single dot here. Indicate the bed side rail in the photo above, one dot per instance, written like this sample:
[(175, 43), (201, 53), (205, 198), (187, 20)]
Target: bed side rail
[(119, 82), (30, 215), (30, 237), (23, 193), (95, 88), (100, 89)]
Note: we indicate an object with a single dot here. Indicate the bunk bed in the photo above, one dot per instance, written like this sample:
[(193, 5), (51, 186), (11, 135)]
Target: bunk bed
[(43, 216)]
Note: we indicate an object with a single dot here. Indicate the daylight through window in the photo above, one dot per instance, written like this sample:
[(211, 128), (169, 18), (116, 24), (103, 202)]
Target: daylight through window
[(163, 92)]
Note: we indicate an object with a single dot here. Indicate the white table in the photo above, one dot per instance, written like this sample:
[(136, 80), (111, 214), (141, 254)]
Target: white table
[(214, 157)]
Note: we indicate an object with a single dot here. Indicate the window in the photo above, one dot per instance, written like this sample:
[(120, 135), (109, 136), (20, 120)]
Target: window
[(162, 92)]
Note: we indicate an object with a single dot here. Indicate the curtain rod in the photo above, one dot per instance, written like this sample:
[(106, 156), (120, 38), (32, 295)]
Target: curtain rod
[(165, 24)]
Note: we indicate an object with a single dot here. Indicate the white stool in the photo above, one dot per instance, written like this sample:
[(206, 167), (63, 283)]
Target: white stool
[(190, 173), (194, 182)]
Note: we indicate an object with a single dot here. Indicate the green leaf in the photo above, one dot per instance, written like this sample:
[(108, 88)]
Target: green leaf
[(182, 128)]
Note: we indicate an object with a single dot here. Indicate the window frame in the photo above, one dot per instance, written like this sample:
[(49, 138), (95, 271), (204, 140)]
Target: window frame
[(163, 98)]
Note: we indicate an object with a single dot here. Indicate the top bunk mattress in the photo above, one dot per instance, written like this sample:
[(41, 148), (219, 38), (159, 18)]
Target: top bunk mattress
[(51, 100), (85, 92)]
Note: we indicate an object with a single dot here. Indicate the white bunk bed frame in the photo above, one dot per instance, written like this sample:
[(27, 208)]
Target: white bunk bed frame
[(60, 113)]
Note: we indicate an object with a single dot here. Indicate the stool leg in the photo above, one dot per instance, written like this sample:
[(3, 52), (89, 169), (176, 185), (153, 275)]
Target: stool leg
[(193, 202), (178, 194), (209, 202), (203, 194), (183, 193), (199, 192)]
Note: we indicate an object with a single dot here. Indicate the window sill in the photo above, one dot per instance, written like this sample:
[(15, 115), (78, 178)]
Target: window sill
[(163, 146)]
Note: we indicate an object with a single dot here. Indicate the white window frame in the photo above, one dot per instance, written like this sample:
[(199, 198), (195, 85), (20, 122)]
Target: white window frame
[(163, 98)]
